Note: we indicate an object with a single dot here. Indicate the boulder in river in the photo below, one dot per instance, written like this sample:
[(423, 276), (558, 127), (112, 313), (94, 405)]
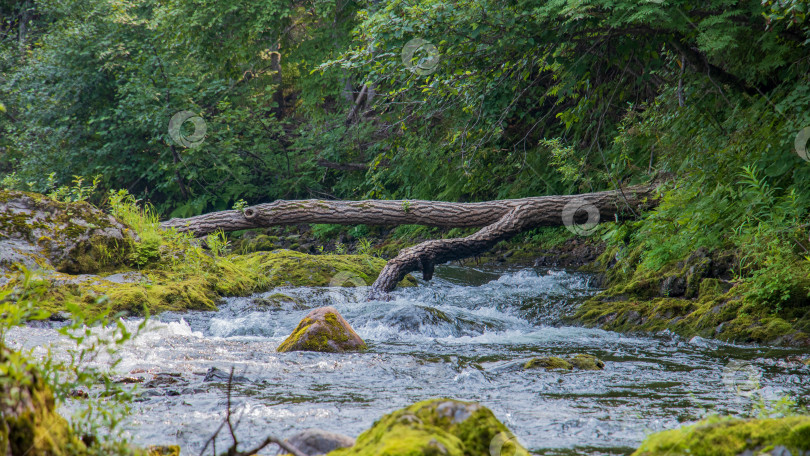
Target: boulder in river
[(437, 427), (579, 361), (218, 375), (314, 442), (323, 330)]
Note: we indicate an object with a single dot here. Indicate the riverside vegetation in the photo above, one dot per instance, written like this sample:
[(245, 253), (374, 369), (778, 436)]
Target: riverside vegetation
[(302, 99)]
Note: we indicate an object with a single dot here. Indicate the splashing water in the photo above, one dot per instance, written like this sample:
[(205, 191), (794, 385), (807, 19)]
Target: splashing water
[(464, 335)]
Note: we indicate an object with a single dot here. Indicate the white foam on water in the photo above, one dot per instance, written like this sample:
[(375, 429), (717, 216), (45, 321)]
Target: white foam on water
[(415, 355)]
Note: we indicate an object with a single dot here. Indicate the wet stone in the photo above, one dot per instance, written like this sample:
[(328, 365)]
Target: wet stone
[(219, 375), (313, 442), (165, 379)]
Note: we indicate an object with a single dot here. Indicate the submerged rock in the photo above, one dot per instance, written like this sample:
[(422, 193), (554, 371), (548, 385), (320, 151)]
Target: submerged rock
[(580, 361), (277, 301), (323, 330), (732, 437), (218, 375), (165, 379), (163, 450), (314, 442), (587, 362), (437, 427), (415, 318), (549, 362)]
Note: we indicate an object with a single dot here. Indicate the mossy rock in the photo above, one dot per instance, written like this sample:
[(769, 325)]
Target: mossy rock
[(436, 427), (323, 330), (29, 423), (257, 243), (549, 363), (579, 361), (586, 362), (75, 238), (163, 450), (732, 437)]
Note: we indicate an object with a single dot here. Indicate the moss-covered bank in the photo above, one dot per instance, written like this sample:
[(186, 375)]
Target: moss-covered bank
[(732, 437), (696, 296), (157, 290)]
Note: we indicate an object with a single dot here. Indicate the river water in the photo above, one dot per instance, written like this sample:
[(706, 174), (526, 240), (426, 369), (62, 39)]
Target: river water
[(463, 335)]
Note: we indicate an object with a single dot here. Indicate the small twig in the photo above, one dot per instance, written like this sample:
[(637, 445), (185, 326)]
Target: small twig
[(212, 439), (268, 441), (233, 451), (228, 415)]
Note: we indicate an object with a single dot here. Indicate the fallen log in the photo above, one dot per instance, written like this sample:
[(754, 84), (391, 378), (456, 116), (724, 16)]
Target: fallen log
[(500, 221)]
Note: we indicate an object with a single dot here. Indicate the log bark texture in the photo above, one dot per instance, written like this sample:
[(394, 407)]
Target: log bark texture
[(500, 220)]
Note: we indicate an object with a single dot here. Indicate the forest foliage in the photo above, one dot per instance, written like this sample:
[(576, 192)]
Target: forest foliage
[(336, 99)]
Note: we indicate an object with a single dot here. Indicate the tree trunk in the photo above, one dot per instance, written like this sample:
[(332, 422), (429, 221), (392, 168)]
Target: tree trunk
[(25, 18), (275, 65), (501, 219)]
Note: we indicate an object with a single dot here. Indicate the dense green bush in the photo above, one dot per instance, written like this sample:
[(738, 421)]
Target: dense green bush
[(515, 98)]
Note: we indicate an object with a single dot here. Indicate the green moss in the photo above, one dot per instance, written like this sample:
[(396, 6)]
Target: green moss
[(731, 437), (276, 300), (69, 237), (710, 288), (586, 362), (318, 340), (728, 317), (579, 361), (313, 344), (200, 287), (260, 243), (681, 297), (167, 450), (436, 427), (29, 423), (550, 363)]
